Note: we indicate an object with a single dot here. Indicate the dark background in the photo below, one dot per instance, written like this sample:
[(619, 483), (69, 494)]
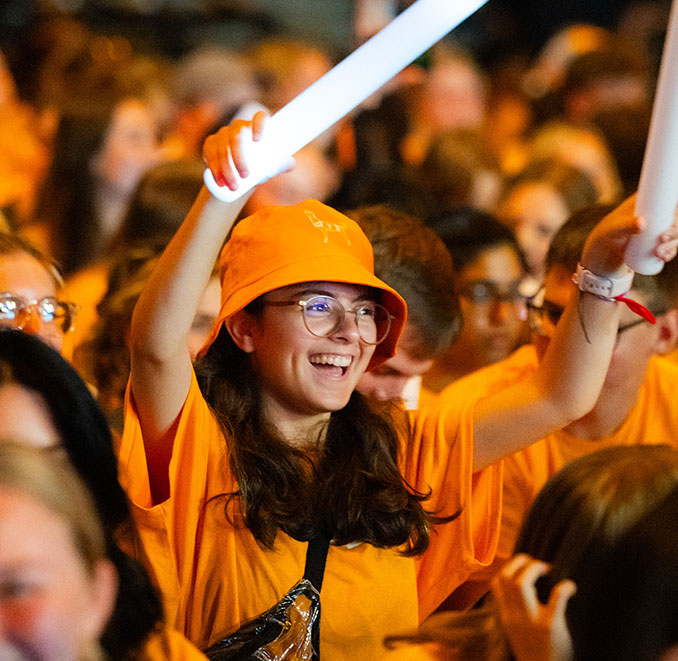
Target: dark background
[(171, 27)]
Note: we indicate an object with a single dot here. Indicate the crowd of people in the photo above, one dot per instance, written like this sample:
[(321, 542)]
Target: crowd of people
[(382, 376)]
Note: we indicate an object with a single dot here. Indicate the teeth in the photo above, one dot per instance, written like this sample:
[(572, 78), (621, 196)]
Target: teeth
[(328, 359)]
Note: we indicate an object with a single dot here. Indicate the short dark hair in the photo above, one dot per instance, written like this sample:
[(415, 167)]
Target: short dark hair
[(617, 61), (412, 259), (468, 232)]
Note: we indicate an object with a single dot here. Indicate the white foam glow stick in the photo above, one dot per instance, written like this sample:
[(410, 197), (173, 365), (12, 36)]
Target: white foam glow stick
[(349, 83), (658, 186)]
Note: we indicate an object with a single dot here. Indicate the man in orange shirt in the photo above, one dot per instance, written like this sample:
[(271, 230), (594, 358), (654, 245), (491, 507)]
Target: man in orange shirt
[(636, 405), (412, 259)]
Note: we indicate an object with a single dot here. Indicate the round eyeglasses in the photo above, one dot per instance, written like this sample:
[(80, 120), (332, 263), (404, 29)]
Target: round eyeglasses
[(324, 315), (16, 311)]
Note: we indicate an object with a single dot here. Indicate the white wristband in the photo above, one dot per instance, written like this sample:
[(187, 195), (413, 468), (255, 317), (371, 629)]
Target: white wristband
[(603, 287)]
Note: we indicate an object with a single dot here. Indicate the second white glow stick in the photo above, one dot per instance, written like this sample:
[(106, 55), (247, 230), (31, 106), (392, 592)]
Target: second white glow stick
[(658, 187), (349, 83)]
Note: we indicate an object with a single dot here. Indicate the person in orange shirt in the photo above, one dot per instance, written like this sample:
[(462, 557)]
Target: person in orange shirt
[(636, 405), (489, 270), (412, 259), (233, 467)]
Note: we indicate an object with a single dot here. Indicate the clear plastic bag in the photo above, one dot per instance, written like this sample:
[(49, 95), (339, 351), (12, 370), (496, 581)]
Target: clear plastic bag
[(282, 633)]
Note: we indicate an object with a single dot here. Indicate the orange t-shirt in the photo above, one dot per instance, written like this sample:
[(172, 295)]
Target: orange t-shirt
[(652, 421), (427, 399), (214, 576), (170, 645), (86, 288)]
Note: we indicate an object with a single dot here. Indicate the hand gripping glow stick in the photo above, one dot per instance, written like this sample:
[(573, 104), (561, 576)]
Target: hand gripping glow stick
[(658, 187), (349, 83)]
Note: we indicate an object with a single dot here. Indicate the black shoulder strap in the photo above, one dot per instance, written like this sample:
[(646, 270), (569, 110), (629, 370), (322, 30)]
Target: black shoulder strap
[(316, 556)]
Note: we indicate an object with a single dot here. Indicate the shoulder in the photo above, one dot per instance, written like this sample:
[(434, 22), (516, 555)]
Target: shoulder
[(663, 367), (493, 377)]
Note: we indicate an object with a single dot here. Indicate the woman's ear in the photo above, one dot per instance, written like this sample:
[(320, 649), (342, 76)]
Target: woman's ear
[(240, 326), (668, 332)]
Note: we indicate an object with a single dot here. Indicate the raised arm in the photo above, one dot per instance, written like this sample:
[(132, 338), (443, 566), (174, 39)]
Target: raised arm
[(160, 360), (569, 378)]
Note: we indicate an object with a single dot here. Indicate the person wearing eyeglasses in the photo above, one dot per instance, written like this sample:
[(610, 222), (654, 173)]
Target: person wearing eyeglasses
[(489, 268), (233, 465), (30, 287), (637, 404)]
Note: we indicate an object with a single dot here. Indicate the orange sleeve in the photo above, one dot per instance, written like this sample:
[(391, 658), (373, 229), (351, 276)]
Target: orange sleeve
[(198, 470), (439, 460), (516, 499)]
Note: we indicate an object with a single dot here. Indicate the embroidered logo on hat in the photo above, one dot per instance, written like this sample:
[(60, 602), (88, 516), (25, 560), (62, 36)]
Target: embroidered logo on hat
[(326, 227)]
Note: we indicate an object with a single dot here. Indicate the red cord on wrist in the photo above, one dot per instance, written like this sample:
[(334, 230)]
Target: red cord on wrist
[(636, 307)]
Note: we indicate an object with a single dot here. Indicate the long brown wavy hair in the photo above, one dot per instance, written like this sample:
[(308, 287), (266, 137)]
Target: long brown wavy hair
[(352, 489)]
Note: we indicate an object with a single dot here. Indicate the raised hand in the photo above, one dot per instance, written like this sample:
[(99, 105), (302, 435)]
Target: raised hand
[(536, 631), (226, 152), (604, 250)]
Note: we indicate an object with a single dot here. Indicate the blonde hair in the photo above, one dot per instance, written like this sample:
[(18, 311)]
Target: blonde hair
[(558, 139), (48, 478)]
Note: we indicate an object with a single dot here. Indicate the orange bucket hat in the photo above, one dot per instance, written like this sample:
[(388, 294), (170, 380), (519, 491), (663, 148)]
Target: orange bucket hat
[(285, 245)]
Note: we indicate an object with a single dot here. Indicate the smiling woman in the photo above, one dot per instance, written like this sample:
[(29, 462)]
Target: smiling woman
[(235, 469), (301, 371)]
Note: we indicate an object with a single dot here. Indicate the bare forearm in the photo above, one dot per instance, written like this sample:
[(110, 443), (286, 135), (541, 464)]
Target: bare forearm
[(571, 375), (160, 358), (575, 364), (564, 387)]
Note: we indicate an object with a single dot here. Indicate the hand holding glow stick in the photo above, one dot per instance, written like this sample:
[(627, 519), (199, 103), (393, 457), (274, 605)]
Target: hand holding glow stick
[(658, 187), (344, 87)]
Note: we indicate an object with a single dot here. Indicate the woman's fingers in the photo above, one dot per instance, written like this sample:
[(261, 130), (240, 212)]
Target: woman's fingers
[(259, 122), (526, 581), (667, 244), (225, 152), (536, 631)]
